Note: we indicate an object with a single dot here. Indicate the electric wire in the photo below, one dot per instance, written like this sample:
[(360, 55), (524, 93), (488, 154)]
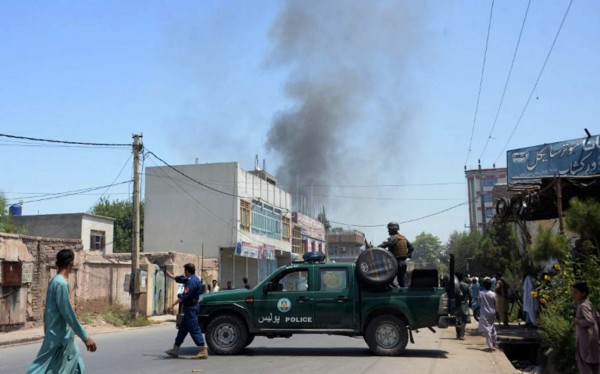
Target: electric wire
[(57, 195), (64, 141), (409, 220), (512, 64), (536, 82), (487, 39)]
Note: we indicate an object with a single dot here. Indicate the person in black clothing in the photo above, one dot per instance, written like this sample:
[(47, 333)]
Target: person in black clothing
[(246, 284)]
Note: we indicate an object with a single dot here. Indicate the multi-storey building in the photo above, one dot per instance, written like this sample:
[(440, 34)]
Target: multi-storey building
[(345, 245), (480, 183), (220, 211)]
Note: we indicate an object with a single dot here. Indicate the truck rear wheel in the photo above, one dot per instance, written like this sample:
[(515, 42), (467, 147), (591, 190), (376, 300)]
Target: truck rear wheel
[(386, 335), (226, 335)]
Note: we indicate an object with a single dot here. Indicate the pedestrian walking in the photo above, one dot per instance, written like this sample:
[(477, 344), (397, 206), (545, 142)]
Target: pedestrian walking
[(189, 325), (59, 352), (487, 314), (463, 300), (586, 331), (215, 286)]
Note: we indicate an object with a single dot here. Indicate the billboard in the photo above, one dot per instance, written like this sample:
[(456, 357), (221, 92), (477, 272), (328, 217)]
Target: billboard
[(311, 227), (571, 158)]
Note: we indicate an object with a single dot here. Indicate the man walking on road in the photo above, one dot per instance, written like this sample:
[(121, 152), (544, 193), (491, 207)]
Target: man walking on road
[(59, 352), (189, 298), (463, 299), (400, 248)]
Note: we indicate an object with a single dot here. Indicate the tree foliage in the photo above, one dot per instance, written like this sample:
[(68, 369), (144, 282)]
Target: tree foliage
[(465, 246), (5, 223), (583, 216), (122, 212), (429, 252)]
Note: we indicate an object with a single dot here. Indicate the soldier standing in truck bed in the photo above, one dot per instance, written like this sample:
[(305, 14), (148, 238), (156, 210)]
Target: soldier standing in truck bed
[(401, 248)]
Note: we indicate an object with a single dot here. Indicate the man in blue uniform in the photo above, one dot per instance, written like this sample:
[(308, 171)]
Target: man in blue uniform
[(189, 298)]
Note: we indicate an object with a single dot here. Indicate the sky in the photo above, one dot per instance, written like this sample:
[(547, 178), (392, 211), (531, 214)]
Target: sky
[(371, 105)]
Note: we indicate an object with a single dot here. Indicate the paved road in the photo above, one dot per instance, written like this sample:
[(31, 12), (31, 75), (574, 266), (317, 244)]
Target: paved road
[(141, 351)]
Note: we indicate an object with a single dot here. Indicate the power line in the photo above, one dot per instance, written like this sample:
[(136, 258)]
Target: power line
[(512, 64), (536, 82), (65, 141), (407, 221), (487, 39), (58, 195), (188, 177), (114, 180)]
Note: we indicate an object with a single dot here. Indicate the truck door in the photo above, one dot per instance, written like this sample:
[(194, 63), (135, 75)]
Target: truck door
[(334, 301), (290, 303)]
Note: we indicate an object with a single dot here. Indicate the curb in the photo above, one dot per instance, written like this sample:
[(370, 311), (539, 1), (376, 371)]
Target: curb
[(21, 341)]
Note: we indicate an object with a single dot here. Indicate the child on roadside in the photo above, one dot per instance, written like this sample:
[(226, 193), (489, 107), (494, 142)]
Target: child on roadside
[(487, 314)]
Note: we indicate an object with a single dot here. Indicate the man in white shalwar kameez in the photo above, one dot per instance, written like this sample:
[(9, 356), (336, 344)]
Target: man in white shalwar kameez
[(487, 314), (530, 303)]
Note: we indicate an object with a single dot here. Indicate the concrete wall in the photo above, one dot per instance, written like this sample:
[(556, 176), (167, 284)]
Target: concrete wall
[(25, 304), (181, 215), (67, 226)]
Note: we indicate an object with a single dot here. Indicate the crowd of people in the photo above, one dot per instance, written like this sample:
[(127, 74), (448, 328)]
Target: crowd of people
[(489, 301)]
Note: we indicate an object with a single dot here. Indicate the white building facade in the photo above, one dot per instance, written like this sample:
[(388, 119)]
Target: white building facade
[(219, 211), (480, 183)]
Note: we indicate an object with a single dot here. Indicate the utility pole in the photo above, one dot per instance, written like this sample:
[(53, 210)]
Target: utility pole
[(135, 248), (482, 197)]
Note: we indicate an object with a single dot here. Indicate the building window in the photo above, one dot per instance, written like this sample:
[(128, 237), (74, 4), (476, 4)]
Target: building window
[(490, 182), (244, 215), (333, 279), (266, 220), (297, 240), (285, 228), (97, 240)]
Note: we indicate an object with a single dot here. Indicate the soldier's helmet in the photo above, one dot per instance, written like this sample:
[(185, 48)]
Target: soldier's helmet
[(394, 226)]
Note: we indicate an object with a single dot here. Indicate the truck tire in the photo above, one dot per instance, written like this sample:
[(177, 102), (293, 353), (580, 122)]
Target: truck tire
[(249, 340), (386, 335), (376, 267), (226, 335)]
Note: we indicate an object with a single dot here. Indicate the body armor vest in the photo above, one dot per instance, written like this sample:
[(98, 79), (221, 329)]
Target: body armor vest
[(401, 248)]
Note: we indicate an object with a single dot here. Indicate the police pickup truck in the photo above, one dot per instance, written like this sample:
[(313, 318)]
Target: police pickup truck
[(314, 297)]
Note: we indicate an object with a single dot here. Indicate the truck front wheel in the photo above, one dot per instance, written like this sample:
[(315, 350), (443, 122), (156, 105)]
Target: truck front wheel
[(226, 335), (386, 335)]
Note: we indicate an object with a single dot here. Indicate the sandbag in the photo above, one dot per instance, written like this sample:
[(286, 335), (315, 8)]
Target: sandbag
[(376, 267)]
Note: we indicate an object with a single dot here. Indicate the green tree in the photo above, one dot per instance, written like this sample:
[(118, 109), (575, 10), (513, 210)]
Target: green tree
[(5, 223), (465, 246), (122, 212), (549, 245), (429, 252), (498, 250), (583, 216)]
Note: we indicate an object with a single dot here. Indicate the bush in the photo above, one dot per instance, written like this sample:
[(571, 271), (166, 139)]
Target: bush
[(557, 307), (119, 316)]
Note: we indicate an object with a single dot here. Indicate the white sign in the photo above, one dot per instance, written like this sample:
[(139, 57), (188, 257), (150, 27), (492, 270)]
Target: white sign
[(27, 272)]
